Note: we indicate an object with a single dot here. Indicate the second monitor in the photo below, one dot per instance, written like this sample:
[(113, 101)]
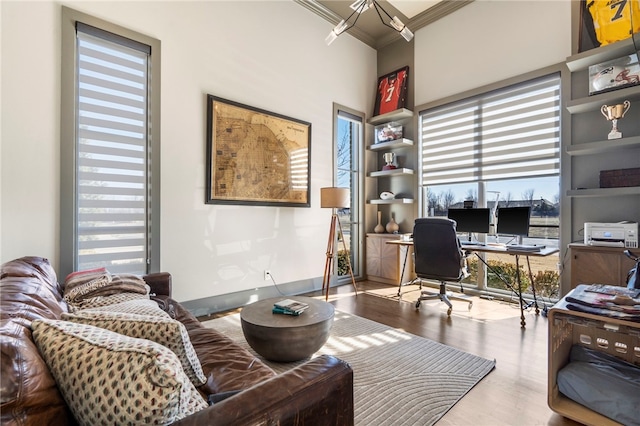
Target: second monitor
[(514, 221), (471, 220)]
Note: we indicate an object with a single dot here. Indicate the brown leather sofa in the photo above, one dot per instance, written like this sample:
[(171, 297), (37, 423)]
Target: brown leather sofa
[(319, 392)]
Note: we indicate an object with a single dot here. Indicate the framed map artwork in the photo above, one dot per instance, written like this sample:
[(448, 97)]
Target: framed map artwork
[(392, 91), (256, 157)]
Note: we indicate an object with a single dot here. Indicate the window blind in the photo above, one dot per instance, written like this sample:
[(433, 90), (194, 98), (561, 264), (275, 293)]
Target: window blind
[(112, 179), (508, 133)]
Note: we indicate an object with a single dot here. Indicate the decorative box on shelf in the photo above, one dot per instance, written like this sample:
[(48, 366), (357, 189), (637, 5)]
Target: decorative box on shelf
[(388, 132), (620, 178), (614, 75)]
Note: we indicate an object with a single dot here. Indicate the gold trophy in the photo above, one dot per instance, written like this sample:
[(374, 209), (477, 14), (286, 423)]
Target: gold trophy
[(613, 113)]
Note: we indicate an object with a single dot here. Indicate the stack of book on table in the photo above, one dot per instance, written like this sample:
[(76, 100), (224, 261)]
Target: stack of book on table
[(289, 307)]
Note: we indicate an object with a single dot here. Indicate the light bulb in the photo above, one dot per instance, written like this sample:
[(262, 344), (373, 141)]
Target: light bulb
[(331, 38), (401, 28), (335, 32), (406, 33), (339, 29)]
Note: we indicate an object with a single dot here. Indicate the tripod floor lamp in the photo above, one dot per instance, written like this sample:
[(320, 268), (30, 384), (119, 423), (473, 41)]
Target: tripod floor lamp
[(335, 198)]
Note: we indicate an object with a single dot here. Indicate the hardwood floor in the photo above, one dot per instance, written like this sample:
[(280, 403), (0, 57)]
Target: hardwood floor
[(515, 393)]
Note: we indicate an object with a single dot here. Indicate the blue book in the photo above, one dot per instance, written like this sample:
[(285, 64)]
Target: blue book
[(291, 306), (277, 310)]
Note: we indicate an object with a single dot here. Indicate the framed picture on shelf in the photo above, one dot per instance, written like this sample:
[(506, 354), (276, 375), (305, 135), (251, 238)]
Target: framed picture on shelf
[(256, 157), (605, 22), (392, 91)]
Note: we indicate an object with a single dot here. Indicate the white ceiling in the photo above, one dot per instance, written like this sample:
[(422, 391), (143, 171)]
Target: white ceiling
[(411, 8)]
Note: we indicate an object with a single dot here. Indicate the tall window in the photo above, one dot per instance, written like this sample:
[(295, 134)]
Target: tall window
[(110, 145), (497, 149), (348, 143)]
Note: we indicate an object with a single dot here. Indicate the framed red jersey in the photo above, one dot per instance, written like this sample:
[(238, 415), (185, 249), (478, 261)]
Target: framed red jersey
[(392, 91)]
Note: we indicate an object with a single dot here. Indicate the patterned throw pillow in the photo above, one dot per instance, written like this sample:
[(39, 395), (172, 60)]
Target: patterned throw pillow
[(137, 306), (109, 378), (165, 331)]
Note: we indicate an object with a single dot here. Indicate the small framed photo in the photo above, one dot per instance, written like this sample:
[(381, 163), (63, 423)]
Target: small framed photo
[(614, 75), (392, 91)]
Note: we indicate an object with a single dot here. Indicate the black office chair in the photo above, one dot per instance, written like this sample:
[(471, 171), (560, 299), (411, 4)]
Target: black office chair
[(438, 256)]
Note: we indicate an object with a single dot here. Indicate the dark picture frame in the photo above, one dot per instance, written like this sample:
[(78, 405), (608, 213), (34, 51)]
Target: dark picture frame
[(616, 23), (391, 93), (256, 157), (587, 39)]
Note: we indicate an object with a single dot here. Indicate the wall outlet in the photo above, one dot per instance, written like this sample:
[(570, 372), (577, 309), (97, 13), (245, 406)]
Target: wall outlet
[(267, 275)]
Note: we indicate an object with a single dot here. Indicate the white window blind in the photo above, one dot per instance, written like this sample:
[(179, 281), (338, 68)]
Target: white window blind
[(112, 150), (507, 133)]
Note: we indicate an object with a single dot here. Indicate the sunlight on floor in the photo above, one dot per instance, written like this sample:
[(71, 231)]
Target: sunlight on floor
[(483, 310), (337, 345)]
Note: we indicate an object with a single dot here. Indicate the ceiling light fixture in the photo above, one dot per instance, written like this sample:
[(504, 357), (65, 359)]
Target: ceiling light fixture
[(394, 22)]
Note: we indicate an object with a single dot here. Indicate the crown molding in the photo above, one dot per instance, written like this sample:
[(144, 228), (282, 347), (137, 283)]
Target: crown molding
[(438, 11)]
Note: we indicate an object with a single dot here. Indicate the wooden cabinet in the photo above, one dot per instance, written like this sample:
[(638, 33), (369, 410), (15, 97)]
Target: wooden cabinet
[(598, 265), (385, 261)]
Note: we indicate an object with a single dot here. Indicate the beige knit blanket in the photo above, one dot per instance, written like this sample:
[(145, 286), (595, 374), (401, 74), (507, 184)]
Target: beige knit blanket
[(99, 282)]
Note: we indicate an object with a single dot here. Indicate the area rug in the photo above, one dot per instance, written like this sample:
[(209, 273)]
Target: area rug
[(399, 378)]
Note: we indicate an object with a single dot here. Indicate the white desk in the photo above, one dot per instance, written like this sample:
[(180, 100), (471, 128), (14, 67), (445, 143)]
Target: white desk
[(501, 249)]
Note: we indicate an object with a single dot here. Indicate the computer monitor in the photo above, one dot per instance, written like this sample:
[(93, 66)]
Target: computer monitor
[(471, 220), (513, 221)]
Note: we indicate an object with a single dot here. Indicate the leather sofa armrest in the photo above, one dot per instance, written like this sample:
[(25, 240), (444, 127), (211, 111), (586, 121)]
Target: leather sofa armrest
[(160, 283), (318, 392)]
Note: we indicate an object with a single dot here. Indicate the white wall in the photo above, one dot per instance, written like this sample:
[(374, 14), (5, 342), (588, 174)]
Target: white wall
[(1, 56), (267, 54), (488, 41)]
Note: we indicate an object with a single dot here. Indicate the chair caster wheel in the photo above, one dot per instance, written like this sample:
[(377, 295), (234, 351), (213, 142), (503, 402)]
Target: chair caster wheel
[(418, 304), (449, 312)]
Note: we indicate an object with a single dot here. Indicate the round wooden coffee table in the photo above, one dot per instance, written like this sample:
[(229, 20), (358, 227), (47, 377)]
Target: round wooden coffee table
[(287, 338)]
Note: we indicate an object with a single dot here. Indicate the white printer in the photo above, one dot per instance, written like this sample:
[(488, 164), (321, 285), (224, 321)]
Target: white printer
[(621, 234)]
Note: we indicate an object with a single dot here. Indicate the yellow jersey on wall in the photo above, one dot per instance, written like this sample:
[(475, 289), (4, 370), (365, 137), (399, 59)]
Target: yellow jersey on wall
[(614, 20)]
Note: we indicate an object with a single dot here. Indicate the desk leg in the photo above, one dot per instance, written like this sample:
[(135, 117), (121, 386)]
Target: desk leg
[(404, 265), (533, 287), (523, 323)]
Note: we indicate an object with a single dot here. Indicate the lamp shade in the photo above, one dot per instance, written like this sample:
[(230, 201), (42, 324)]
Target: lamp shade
[(332, 197)]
